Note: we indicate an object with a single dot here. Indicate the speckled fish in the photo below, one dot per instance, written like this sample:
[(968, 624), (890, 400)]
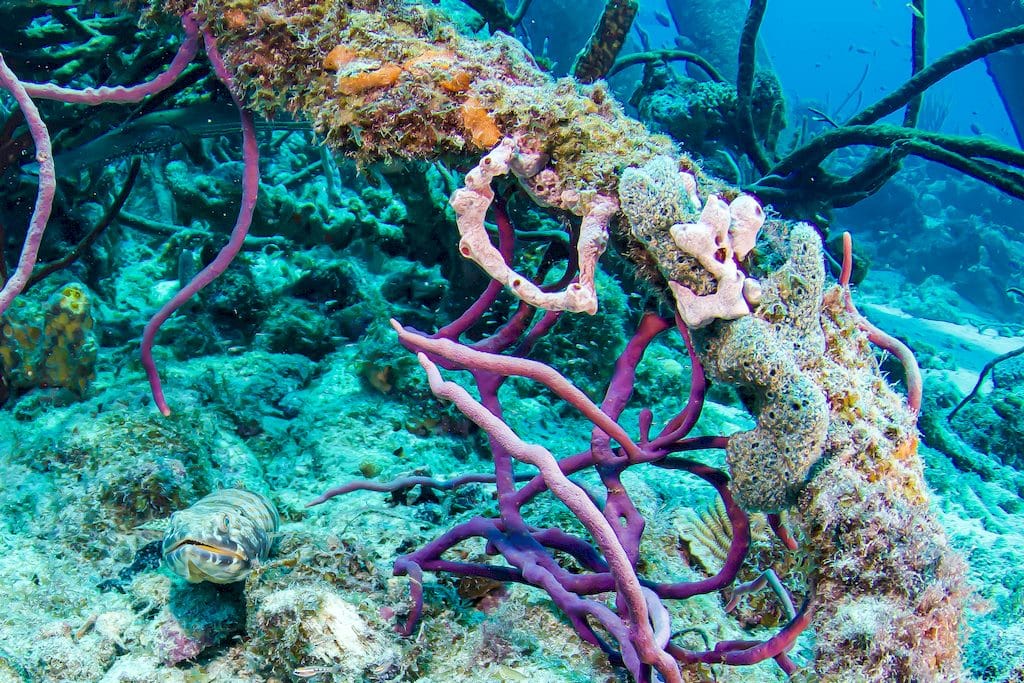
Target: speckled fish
[(221, 537)]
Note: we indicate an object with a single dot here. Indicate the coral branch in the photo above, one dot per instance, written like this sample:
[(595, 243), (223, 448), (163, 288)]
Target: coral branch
[(402, 484), (47, 186), (575, 499)]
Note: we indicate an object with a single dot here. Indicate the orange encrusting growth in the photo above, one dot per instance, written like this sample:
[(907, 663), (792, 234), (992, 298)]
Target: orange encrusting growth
[(235, 19), (378, 78), (338, 57), (430, 58), (482, 129), (899, 472), (439, 65), (459, 82)]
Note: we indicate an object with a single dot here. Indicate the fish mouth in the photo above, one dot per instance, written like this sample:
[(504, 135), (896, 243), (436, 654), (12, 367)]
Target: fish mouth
[(212, 549)]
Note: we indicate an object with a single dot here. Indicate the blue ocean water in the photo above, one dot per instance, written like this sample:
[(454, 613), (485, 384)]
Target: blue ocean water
[(384, 340)]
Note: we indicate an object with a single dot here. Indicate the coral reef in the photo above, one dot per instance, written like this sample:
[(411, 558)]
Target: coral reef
[(819, 398), (832, 444)]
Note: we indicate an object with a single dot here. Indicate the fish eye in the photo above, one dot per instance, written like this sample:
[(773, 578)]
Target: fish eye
[(225, 524)]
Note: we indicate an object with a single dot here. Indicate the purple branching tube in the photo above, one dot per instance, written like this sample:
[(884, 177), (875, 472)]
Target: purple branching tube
[(641, 632), (637, 621), (633, 628), (250, 187)]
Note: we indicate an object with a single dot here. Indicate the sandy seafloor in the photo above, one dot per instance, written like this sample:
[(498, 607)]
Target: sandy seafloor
[(76, 479)]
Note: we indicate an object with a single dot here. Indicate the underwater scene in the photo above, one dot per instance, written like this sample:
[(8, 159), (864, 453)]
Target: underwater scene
[(543, 340)]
